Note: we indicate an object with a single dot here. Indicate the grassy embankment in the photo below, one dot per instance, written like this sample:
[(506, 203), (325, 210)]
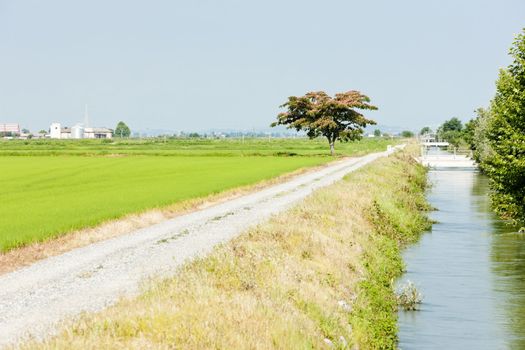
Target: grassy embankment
[(323, 271), (52, 187)]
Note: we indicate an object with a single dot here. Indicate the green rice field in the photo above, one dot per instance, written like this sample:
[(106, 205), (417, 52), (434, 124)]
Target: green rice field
[(51, 188), (190, 147)]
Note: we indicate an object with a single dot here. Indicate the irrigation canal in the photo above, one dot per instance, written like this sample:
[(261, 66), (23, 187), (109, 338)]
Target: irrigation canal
[(470, 270)]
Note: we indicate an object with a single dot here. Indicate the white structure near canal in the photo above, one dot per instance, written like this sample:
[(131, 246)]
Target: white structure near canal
[(433, 156), (56, 131), (447, 161)]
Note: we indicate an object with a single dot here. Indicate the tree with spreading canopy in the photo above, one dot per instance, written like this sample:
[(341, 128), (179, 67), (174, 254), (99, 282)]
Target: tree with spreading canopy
[(335, 118)]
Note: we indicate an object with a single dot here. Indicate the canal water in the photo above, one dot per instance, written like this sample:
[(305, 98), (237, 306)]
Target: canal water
[(470, 269)]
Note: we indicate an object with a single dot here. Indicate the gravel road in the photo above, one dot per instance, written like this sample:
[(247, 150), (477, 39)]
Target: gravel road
[(35, 299)]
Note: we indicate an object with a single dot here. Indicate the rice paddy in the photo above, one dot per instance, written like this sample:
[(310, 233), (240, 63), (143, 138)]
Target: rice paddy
[(50, 188)]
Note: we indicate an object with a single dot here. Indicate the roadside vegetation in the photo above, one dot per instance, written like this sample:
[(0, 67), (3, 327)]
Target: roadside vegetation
[(45, 196), (317, 276)]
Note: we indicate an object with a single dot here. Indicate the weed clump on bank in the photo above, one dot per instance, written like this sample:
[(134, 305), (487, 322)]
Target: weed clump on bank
[(318, 276), (409, 297)]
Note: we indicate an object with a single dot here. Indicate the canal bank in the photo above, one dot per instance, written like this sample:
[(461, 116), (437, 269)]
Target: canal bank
[(470, 269), (317, 276)]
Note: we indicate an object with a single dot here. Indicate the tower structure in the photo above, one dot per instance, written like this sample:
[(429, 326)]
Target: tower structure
[(86, 117)]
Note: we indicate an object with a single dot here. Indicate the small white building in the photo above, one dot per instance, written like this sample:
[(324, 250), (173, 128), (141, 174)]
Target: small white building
[(98, 133), (55, 130)]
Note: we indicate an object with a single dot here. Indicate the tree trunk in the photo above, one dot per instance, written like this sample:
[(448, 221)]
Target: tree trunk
[(331, 142)]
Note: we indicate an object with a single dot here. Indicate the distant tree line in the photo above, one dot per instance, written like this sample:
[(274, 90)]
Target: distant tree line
[(407, 133)]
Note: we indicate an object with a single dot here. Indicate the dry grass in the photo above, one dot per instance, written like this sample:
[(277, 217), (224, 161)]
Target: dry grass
[(287, 284), (26, 255)]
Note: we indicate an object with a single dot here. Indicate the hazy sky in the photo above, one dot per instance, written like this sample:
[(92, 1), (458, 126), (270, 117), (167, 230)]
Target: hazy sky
[(194, 65)]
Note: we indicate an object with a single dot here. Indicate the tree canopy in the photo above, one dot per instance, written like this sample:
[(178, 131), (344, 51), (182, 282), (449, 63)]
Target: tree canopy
[(451, 131), (468, 133), (319, 114), (122, 130), (425, 130), (480, 143), (454, 124), (506, 136), (498, 137)]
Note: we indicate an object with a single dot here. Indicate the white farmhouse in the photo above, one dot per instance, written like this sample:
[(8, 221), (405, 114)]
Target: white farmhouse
[(97, 133)]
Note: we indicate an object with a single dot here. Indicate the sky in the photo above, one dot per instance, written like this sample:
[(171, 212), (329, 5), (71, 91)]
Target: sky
[(202, 64)]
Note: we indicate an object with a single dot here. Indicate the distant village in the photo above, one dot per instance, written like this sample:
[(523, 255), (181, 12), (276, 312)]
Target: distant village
[(55, 131)]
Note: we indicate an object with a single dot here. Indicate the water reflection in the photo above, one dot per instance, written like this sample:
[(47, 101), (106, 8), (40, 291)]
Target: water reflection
[(471, 270), (508, 257)]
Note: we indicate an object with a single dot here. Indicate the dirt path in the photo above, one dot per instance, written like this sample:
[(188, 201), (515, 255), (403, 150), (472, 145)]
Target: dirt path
[(33, 300)]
